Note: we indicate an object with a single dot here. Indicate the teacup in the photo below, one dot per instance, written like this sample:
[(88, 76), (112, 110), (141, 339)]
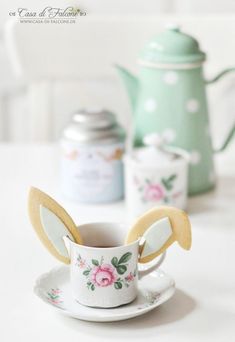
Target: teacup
[(104, 272)]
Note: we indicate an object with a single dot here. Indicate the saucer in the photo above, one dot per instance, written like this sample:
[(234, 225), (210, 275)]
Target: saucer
[(54, 289)]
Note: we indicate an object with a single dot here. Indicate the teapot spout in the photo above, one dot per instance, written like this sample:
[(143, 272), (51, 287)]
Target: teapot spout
[(131, 83)]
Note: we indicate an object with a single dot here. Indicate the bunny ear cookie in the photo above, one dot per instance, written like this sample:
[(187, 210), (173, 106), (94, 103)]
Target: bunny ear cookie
[(160, 227), (51, 222)]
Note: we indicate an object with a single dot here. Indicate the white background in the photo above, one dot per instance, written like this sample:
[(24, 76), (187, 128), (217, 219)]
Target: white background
[(203, 307)]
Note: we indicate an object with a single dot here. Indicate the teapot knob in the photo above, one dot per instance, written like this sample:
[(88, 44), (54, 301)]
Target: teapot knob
[(172, 27)]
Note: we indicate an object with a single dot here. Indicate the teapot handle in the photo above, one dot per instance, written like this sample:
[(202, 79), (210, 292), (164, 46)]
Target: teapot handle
[(231, 132)]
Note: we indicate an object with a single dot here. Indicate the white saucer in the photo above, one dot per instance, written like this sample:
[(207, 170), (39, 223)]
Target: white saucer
[(54, 289)]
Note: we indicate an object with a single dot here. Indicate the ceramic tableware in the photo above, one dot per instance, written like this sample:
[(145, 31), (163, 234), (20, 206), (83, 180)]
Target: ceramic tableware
[(169, 97), (155, 175), (104, 258), (54, 289), (104, 272)]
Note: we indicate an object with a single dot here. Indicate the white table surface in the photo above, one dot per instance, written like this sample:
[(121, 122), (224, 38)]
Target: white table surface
[(203, 307)]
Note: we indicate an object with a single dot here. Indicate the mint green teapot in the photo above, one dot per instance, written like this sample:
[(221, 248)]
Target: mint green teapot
[(169, 98)]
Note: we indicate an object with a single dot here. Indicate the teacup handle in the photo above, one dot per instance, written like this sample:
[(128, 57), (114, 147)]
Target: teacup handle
[(155, 264)]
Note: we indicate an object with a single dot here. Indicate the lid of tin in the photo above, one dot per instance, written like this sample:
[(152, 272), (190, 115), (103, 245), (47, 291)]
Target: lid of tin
[(172, 46), (155, 152), (94, 125)]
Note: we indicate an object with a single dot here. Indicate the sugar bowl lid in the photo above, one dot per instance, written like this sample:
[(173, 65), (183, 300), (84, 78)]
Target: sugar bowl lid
[(153, 152), (172, 46), (94, 125), (157, 152)]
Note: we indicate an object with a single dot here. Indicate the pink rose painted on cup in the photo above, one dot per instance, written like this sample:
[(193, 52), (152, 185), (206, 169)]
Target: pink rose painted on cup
[(153, 192), (99, 274), (130, 277), (81, 263), (103, 275)]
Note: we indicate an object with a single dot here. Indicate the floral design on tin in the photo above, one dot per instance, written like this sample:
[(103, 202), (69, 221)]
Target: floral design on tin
[(157, 191), (100, 274), (115, 155), (54, 297)]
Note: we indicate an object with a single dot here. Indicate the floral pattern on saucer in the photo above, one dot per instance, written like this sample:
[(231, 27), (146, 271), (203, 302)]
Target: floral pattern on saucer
[(153, 290), (152, 298), (54, 297)]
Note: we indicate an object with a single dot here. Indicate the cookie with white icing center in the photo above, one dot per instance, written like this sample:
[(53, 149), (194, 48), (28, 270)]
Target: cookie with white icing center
[(51, 223), (159, 228)]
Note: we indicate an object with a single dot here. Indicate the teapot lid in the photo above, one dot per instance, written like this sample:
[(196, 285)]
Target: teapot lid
[(172, 46)]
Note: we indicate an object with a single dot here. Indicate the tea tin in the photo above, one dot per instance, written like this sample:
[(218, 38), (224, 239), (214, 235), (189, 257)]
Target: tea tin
[(92, 150)]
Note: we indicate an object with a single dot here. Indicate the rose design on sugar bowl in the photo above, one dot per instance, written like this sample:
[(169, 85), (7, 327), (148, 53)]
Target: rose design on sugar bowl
[(155, 175)]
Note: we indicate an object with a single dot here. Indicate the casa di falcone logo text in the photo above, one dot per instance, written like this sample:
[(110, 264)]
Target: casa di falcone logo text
[(49, 15)]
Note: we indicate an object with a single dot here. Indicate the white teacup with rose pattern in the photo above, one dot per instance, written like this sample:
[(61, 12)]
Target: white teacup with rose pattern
[(104, 272)]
